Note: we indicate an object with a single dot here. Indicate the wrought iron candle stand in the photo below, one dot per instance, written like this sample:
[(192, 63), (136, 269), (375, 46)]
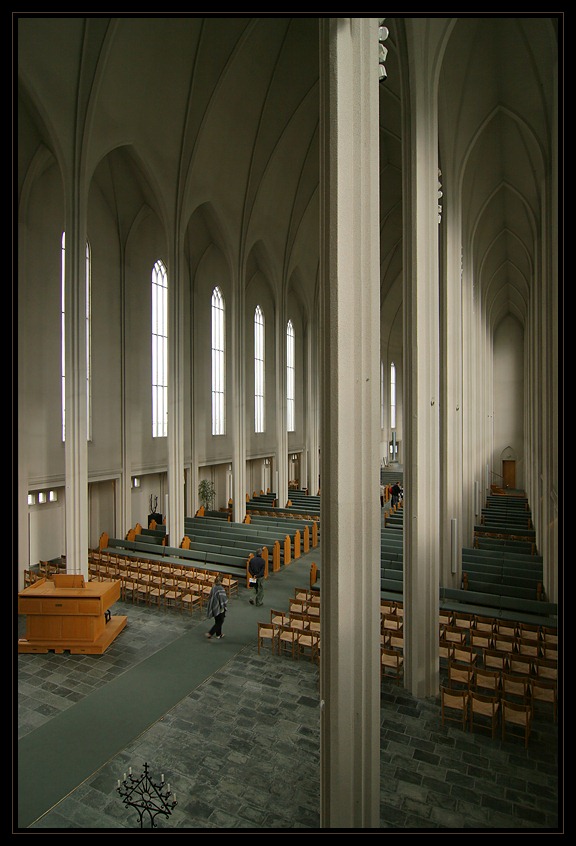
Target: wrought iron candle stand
[(147, 796)]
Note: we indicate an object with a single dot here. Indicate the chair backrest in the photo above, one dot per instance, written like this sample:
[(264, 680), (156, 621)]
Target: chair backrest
[(460, 673), (454, 700), (518, 715), (464, 653), (488, 679), (515, 685), (546, 668), (454, 635), (495, 660)]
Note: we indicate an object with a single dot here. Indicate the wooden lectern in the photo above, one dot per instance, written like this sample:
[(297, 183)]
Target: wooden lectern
[(69, 614)]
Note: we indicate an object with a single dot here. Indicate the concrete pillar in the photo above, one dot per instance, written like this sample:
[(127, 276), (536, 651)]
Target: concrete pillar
[(76, 416), (421, 364), (350, 424)]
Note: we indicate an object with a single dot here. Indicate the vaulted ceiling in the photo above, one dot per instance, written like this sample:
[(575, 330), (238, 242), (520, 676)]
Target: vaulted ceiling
[(213, 124)]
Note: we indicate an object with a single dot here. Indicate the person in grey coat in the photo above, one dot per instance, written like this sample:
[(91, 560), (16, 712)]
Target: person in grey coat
[(217, 604)]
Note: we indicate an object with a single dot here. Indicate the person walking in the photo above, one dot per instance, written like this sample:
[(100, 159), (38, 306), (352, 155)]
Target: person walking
[(256, 568), (217, 604)]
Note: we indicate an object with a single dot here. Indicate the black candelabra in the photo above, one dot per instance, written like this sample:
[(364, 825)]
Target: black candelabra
[(147, 796)]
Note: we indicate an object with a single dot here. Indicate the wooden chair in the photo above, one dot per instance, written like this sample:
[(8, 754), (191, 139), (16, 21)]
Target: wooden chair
[(267, 634), (396, 641), (465, 621), (507, 627), (190, 598), (313, 623), (392, 622), (391, 664), (484, 711), (460, 675), (517, 716), (464, 654), (446, 651), (387, 606), (287, 641), (485, 624), (446, 617), (515, 688), (454, 706), (527, 646), (230, 585), (546, 668), (485, 680), (530, 631), (549, 634), (505, 642), (543, 690), (454, 635), (549, 649), (309, 644), (279, 618), (172, 591), (522, 665), (481, 639), (298, 621), (495, 660), (303, 594)]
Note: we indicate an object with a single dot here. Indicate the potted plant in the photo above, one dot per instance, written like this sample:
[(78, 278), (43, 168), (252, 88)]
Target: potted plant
[(206, 494)]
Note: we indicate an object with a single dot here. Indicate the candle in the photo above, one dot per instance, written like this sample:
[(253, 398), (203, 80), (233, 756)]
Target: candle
[(174, 797), (118, 782), (129, 770), (168, 787), (162, 778), (124, 776)]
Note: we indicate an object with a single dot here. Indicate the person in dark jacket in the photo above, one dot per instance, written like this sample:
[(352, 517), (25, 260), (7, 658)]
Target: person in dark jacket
[(217, 604), (256, 567)]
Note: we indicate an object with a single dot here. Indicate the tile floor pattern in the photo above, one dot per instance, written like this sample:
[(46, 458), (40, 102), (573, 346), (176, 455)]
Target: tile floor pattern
[(243, 748)]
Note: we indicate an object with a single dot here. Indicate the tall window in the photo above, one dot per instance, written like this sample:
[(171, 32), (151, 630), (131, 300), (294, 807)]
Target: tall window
[(382, 395), (218, 364), (392, 396), (258, 370), (63, 331), (88, 339), (159, 351), (290, 370)]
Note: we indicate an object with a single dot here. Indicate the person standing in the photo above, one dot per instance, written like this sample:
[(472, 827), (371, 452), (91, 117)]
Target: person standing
[(256, 568), (217, 604)]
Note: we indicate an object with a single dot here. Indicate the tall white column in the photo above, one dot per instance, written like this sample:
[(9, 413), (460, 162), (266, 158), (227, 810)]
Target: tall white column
[(76, 416), (175, 515), (349, 350), (238, 416), (421, 364)]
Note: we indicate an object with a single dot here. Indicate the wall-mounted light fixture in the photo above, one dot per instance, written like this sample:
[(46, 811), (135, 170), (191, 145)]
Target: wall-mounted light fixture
[(383, 34), (135, 482)]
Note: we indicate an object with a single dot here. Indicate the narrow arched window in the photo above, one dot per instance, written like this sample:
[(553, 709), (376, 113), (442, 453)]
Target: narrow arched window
[(63, 331), (88, 338), (159, 351), (382, 395), (259, 381), (218, 364), (392, 396), (290, 376)]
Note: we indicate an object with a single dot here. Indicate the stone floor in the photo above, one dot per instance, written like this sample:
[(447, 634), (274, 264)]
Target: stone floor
[(243, 748)]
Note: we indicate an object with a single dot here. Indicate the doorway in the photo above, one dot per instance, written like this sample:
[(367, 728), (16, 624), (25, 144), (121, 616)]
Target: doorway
[(509, 473)]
